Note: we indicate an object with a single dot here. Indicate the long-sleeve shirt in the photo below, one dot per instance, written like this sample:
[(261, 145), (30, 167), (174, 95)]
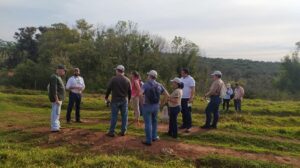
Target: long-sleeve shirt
[(76, 81), (239, 93), (215, 88), (56, 88), (120, 87), (229, 92)]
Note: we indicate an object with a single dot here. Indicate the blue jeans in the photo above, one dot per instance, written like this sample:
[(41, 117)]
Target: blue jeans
[(212, 107), (115, 108), (74, 98), (238, 105), (186, 114), (150, 119), (173, 113), (55, 113)]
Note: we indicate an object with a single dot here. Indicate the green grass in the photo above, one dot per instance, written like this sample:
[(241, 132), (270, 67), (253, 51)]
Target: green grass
[(264, 127)]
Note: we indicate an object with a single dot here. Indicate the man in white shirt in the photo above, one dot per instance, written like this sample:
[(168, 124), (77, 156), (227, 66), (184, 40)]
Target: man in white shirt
[(75, 85), (187, 99)]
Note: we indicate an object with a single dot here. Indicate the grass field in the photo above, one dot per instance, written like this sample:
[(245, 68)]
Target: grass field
[(267, 134)]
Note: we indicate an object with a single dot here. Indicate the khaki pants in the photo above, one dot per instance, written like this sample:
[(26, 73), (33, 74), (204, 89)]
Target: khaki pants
[(135, 102)]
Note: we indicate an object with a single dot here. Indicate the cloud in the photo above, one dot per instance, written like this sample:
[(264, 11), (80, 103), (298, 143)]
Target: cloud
[(252, 29)]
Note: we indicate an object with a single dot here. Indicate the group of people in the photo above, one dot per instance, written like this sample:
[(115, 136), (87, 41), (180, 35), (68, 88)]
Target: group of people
[(145, 99)]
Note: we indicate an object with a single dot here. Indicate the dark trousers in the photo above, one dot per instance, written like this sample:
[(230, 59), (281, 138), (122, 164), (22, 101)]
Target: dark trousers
[(212, 107), (238, 105), (226, 103), (186, 114), (74, 98), (173, 113)]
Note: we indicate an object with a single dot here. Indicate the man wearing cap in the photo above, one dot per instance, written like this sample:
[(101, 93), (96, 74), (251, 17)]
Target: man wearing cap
[(214, 94), (56, 93), (187, 99), (152, 91), (120, 87), (76, 85)]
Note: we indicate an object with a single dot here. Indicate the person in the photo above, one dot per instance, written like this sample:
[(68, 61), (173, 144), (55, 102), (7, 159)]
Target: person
[(152, 91), (227, 98), (75, 85), (238, 97), (187, 99), (136, 95), (215, 100), (120, 87), (56, 94), (174, 103)]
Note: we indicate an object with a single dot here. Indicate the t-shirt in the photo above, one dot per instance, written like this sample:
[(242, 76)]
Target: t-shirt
[(135, 84), (177, 93), (148, 85), (120, 87), (188, 82), (56, 87)]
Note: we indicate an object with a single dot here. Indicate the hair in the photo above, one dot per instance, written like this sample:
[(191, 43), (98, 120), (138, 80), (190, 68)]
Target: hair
[(180, 85), (185, 70), (136, 74)]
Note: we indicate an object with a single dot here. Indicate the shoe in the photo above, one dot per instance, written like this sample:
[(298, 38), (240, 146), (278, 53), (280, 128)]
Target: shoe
[(181, 127), (188, 130), (156, 139), (213, 126), (110, 134), (146, 143), (122, 134), (205, 127), (79, 121), (55, 131)]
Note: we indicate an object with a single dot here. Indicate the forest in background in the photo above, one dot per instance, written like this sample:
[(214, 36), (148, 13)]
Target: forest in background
[(31, 59)]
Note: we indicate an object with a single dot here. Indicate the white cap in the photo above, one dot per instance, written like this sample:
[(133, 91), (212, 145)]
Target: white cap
[(217, 73), (120, 67), (152, 73), (177, 80)]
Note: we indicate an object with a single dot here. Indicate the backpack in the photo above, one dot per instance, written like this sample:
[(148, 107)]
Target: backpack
[(153, 94), (223, 91)]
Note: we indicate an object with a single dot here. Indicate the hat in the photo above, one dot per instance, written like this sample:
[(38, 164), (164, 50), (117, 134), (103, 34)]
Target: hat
[(152, 73), (120, 67), (177, 80), (219, 73), (61, 67)]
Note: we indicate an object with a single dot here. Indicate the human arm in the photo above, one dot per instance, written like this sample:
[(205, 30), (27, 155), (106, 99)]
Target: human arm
[(53, 88), (108, 90)]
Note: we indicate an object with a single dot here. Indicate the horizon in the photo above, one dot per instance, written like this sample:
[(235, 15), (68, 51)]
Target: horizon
[(257, 30)]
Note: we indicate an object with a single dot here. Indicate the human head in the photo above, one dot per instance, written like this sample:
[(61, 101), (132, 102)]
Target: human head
[(61, 70), (237, 84), (76, 71), (216, 75), (228, 85), (176, 83), (120, 69), (184, 72), (135, 75), (152, 74)]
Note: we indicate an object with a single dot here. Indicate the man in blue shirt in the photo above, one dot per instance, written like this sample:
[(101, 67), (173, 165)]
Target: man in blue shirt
[(152, 91)]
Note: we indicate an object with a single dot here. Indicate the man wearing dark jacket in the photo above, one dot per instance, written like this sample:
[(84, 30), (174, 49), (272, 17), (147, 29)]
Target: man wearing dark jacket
[(56, 93), (120, 87)]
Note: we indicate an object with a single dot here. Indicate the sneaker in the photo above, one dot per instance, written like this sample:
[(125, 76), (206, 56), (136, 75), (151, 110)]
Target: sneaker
[(146, 143), (156, 139), (188, 130), (79, 121), (110, 134)]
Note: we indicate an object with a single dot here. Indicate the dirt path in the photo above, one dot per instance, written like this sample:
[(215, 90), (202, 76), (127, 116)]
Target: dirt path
[(99, 142)]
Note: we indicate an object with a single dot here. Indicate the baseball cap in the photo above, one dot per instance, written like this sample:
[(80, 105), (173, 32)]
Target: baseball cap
[(152, 73), (177, 80), (217, 73), (120, 67), (61, 67)]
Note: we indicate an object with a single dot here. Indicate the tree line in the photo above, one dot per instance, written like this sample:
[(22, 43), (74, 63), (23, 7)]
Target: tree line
[(96, 50)]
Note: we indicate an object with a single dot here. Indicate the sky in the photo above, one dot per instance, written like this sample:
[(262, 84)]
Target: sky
[(263, 30)]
